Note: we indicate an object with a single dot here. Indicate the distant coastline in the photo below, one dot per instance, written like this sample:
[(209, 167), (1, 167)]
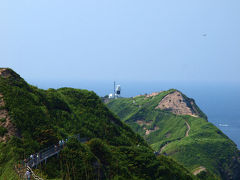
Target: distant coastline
[(220, 102)]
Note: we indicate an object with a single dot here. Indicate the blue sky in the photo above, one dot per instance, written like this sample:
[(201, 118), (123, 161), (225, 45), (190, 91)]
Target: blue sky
[(123, 40), (146, 46)]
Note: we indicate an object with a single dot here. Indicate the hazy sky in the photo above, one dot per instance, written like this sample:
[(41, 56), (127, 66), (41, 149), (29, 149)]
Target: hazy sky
[(123, 40)]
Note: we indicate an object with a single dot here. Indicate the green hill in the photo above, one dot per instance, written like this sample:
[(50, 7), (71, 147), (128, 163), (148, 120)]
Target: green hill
[(175, 126), (32, 119)]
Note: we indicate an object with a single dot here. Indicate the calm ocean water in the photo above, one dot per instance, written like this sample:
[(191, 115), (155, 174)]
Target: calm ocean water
[(221, 102)]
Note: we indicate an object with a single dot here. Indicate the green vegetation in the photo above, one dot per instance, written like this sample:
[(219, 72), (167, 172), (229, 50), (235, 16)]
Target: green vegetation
[(3, 130), (44, 117), (205, 146), (3, 120)]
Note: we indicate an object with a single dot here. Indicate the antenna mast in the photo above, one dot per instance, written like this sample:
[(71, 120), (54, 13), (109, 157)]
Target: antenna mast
[(114, 90)]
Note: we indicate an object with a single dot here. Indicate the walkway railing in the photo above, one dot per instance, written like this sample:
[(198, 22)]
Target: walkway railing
[(43, 155)]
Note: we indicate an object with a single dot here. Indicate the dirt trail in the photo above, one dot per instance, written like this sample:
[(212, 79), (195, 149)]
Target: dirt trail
[(188, 126), (186, 135), (161, 150), (199, 169)]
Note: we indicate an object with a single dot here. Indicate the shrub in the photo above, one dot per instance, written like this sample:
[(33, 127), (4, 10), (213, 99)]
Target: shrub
[(2, 120), (2, 107), (101, 151), (3, 130)]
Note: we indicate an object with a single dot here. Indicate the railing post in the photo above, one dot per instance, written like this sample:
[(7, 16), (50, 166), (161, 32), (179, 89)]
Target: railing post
[(43, 155)]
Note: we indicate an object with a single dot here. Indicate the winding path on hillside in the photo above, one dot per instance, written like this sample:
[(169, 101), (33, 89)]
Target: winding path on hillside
[(186, 135), (161, 150), (188, 129)]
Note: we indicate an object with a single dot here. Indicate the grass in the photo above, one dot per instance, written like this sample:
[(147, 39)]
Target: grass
[(204, 141), (43, 117), (3, 131), (205, 146)]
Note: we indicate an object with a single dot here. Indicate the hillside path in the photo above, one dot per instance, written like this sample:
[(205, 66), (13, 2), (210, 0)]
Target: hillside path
[(161, 150), (186, 135), (188, 126)]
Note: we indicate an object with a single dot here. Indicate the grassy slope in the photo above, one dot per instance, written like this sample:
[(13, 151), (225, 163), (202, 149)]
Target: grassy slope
[(205, 146), (44, 117)]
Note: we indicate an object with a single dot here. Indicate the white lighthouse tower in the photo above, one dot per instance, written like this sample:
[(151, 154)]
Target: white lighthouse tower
[(116, 91)]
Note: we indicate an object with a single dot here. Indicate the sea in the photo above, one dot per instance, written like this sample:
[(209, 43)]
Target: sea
[(219, 101)]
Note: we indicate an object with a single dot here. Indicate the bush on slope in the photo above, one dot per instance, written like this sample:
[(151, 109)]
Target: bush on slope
[(205, 146), (44, 117)]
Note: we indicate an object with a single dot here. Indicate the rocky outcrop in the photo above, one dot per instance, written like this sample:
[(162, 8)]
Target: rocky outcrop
[(148, 131), (143, 122), (153, 94), (6, 123), (176, 103), (5, 72), (199, 170), (149, 123)]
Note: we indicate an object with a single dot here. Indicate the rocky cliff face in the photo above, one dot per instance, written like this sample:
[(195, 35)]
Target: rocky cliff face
[(5, 73), (5, 122), (176, 103)]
